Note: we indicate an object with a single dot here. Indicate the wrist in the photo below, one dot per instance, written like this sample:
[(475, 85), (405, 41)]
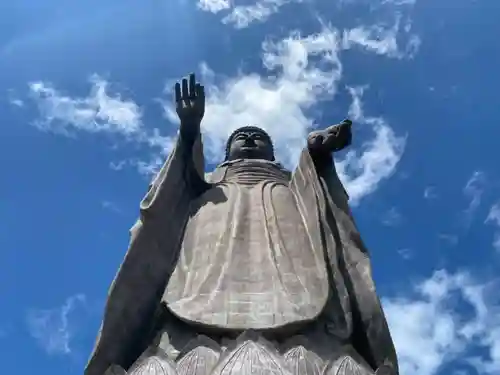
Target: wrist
[(322, 159), (189, 130)]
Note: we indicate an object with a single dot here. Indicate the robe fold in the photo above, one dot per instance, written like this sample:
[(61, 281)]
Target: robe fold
[(352, 306)]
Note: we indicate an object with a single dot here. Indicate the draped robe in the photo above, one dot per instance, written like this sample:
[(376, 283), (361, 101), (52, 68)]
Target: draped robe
[(291, 254)]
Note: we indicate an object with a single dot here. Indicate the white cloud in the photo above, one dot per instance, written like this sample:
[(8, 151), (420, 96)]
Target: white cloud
[(494, 218), (433, 328), (449, 239), (97, 112), (399, 2), (14, 99), (406, 253), (392, 217), (52, 328), (383, 40), (362, 170), (494, 214), (473, 190), (17, 102), (430, 192), (303, 71), (378, 38), (214, 6), (111, 206), (241, 16)]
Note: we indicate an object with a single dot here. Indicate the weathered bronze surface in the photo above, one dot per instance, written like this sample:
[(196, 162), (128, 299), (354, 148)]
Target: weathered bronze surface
[(251, 270)]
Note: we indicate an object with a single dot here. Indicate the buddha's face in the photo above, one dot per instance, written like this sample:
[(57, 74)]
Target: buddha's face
[(251, 144)]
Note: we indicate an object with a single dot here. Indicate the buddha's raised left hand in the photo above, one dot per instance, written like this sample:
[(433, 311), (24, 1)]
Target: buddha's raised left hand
[(332, 139)]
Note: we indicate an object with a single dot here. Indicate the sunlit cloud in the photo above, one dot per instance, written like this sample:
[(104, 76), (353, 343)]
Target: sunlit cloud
[(241, 16), (96, 113), (53, 328), (473, 190), (494, 218), (431, 328)]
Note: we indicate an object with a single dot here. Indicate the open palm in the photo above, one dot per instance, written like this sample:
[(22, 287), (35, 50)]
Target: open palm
[(190, 100)]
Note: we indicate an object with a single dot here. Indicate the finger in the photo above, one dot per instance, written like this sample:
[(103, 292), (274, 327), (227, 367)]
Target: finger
[(330, 142), (192, 85), (200, 97), (200, 91), (346, 122), (185, 92), (334, 129), (316, 140), (177, 92)]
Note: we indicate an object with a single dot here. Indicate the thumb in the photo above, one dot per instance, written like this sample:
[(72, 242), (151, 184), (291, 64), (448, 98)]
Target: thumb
[(315, 140)]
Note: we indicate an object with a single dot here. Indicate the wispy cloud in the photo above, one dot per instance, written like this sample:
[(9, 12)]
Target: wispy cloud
[(303, 71), (379, 38), (432, 328), (392, 217), (14, 99), (241, 16), (306, 70), (473, 190), (399, 2), (110, 206), (494, 218), (214, 6), (95, 113), (53, 328), (363, 170), (383, 40), (430, 192), (406, 253), (101, 111), (449, 239), (17, 102)]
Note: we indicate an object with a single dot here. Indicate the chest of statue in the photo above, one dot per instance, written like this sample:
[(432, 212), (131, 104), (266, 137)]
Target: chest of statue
[(246, 260)]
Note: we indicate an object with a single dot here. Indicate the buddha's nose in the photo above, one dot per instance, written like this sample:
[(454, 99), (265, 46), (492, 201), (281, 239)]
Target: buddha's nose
[(250, 141)]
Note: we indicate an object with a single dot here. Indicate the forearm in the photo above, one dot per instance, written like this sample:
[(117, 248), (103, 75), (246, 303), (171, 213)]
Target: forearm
[(170, 183), (323, 161), (189, 131), (192, 151), (326, 171)]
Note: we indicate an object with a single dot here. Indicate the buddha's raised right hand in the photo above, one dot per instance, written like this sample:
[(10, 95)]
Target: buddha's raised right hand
[(190, 107)]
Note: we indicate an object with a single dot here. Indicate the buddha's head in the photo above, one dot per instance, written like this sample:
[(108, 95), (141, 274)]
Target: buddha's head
[(249, 142)]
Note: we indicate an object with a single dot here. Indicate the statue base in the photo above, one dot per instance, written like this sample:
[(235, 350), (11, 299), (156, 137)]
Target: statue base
[(249, 354)]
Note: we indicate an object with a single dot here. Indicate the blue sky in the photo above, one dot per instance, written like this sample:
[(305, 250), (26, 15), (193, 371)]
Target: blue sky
[(87, 117)]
